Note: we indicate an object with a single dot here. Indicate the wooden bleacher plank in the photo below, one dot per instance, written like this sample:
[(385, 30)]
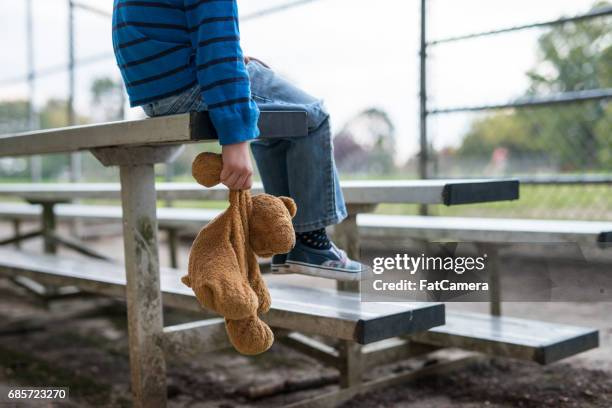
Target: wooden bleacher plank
[(318, 311), (524, 339), (174, 129), (484, 229), (371, 226), (448, 192)]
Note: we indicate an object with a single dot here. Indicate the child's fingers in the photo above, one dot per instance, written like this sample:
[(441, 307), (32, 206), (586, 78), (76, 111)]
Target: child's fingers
[(240, 181), (248, 183), (231, 180), (245, 182), (225, 173)]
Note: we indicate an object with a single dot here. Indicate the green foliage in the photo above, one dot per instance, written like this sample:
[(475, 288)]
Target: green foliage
[(108, 99), (603, 138), (13, 114), (572, 57), (101, 87), (14, 118), (500, 130)]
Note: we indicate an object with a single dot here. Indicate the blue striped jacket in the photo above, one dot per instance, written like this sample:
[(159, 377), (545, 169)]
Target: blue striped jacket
[(165, 47)]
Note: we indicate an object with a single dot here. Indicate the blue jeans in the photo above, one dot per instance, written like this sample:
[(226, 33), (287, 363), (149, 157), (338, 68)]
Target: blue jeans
[(302, 168)]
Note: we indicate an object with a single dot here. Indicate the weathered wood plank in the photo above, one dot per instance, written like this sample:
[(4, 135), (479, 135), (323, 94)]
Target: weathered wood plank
[(472, 229), (312, 348), (175, 129), (524, 339), (371, 227), (195, 337), (355, 192), (393, 350)]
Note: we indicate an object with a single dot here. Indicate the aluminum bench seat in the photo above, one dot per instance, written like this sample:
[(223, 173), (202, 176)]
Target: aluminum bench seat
[(495, 230), (371, 226), (511, 337), (193, 218), (339, 315), (195, 127), (356, 192)]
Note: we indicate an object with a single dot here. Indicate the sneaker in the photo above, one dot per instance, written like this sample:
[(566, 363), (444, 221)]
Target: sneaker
[(279, 264), (325, 263)]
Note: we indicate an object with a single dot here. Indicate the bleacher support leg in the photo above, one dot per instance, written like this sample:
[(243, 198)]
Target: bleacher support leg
[(17, 232), (145, 321), (346, 235), (494, 279), (48, 227), (172, 237), (351, 360), (144, 302)]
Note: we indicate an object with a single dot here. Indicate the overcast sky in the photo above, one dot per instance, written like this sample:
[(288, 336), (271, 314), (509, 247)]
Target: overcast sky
[(354, 54)]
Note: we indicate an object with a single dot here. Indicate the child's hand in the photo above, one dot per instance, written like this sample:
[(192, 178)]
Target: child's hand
[(237, 168)]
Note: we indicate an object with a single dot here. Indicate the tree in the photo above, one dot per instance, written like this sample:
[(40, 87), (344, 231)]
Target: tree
[(499, 130), (366, 143), (107, 99), (571, 57), (14, 116)]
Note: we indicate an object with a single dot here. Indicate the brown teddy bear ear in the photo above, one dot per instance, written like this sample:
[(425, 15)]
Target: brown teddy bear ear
[(206, 169), (290, 204)]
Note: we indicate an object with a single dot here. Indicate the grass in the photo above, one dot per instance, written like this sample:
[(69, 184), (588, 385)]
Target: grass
[(549, 202)]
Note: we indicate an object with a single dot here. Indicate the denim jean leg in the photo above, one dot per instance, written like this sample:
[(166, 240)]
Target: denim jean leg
[(313, 180), (270, 158), (187, 101), (305, 164)]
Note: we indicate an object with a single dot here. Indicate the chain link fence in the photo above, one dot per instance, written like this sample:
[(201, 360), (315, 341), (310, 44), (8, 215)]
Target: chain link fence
[(555, 134)]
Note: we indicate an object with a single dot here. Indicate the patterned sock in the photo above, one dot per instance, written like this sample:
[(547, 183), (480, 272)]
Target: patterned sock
[(316, 239)]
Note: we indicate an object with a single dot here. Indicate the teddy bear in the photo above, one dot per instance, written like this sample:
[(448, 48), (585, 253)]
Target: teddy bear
[(223, 271)]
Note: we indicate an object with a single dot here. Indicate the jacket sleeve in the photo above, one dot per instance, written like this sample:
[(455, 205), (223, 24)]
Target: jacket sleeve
[(221, 71)]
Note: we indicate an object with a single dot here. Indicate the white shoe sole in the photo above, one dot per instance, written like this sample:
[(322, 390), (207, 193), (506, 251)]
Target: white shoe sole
[(280, 269), (322, 272)]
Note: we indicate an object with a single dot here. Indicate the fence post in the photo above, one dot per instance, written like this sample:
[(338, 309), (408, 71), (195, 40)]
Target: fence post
[(423, 154)]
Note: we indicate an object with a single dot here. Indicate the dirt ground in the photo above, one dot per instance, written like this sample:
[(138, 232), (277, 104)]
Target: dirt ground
[(81, 343)]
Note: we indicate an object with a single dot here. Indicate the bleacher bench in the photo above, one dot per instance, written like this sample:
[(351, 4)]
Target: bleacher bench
[(372, 227), (524, 339), (503, 336), (337, 315), (308, 310), (375, 227), (135, 146)]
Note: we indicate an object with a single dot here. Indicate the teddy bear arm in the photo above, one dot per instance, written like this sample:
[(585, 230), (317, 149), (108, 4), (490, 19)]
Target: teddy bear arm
[(215, 276), (223, 292), (250, 336)]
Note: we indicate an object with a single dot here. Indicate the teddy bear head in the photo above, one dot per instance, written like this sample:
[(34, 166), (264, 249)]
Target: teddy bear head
[(270, 227), (271, 214)]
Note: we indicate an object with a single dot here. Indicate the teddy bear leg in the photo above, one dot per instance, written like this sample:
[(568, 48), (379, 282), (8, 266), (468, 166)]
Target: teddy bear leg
[(261, 290), (233, 300), (249, 336), (258, 285)]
